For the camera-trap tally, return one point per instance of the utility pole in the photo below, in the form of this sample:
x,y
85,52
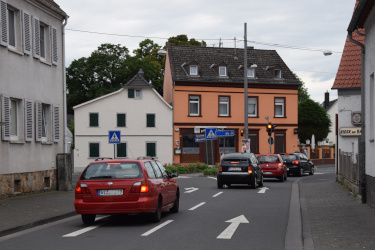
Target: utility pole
x,y
246,123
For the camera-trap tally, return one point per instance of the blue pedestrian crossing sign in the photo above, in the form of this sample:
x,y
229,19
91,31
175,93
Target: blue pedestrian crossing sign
x,y
211,134
114,136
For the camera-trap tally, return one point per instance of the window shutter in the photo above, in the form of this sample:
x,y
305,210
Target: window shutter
x,y
38,121
28,120
54,45
121,150
5,117
26,33
94,120
36,37
94,149
151,149
130,93
4,23
121,120
56,122
150,120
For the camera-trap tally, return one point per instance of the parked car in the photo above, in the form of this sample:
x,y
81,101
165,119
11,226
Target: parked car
x,y
273,166
298,163
239,168
126,186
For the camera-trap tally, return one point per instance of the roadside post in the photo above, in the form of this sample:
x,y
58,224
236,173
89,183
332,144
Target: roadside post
x,y
114,137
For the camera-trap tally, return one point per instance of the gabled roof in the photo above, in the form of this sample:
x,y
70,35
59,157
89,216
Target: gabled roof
x,y
138,81
53,5
349,72
330,104
233,58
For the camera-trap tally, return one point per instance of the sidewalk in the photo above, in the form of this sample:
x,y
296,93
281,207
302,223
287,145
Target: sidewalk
x,y
332,218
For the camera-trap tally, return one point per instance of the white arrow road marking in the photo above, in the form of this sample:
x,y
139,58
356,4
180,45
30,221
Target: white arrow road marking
x,y
182,177
216,195
263,190
229,231
200,204
212,177
86,229
156,228
191,189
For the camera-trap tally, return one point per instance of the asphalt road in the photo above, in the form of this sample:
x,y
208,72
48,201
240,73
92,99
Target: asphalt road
x,y
209,218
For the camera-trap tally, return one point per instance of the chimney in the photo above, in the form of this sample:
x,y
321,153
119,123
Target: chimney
x,y
141,73
326,100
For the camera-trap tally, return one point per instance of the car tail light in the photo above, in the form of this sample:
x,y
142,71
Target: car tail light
x,y
220,169
249,169
82,188
295,162
281,165
140,187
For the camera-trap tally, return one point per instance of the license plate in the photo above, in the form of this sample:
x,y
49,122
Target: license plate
x,y
268,173
110,192
234,169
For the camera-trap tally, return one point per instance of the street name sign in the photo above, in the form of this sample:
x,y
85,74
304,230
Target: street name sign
x,y
225,133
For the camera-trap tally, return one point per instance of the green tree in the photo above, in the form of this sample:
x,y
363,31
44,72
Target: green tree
x,y
183,40
312,119
302,91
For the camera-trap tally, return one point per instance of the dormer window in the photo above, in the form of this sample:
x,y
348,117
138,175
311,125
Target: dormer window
x,y
222,71
278,73
250,72
193,70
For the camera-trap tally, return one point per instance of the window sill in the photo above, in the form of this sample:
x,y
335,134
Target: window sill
x,y
252,116
46,143
16,142
194,116
224,116
14,50
45,62
279,117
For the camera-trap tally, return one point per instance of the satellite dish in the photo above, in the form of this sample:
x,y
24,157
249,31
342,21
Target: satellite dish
x,y
327,52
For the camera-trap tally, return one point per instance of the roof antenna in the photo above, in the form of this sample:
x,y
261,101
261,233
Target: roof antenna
x,y
220,43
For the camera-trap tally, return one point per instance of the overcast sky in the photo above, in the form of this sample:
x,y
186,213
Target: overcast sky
x,y
316,24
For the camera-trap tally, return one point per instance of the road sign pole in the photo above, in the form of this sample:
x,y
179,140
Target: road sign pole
x,y
206,152
212,154
114,151
269,140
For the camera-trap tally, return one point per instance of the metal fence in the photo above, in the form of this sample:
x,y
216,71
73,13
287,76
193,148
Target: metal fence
x,y
347,168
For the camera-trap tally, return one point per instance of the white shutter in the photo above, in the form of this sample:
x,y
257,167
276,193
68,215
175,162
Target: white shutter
x,y
29,120
36,37
54,51
5,117
26,26
3,23
38,121
56,122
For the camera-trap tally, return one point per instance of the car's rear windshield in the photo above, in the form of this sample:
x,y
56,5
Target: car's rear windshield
x,y
290,157
112,170
268,158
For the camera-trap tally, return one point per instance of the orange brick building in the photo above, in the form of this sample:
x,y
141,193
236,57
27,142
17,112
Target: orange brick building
x,y
205,85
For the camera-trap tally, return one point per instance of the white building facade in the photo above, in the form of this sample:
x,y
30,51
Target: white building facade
x,y
142,116
32,94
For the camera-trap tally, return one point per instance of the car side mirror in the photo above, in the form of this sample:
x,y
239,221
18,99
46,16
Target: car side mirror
x,y
173,175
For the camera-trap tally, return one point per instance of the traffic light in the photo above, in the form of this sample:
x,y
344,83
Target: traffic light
x,y
269,129
241,132
273,127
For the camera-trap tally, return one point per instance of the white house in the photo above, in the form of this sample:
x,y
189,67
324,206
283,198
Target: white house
x,y
32,90
332,108
142,116
364,17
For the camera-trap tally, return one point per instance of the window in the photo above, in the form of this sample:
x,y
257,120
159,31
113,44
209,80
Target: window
x,y
121,120
47,122
254,141
94,150
150,120
94,119
10,21
46,117
13,118
222,71
193,70
151,149
277,73
194,105
250,72
157,170
162,169
130,93
279,107
11,28
223,106
252,105
42,41
121,150
137,94
150,170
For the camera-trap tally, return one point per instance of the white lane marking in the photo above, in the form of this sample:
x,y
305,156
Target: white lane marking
x,y
216,195
263,190
86,229
191,189
182,177
318,173
229,231
200,204
156,228
212,177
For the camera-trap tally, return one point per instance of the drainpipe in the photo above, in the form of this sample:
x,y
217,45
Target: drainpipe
x,y
64,83
362,142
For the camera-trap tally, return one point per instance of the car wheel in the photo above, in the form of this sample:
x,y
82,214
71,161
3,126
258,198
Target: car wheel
x,y
176,205
260,183
219,184
228,185
300,173
156,216
312,171
285,177
88,219
253,183
281,178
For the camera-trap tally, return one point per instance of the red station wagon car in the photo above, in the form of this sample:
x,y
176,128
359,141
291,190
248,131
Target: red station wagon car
x,y
126,186
273,166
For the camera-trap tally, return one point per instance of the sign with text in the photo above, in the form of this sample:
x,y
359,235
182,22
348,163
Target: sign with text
x,y
225,133
350,131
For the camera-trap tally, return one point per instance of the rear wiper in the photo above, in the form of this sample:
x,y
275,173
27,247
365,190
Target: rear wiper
x,y
101,177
